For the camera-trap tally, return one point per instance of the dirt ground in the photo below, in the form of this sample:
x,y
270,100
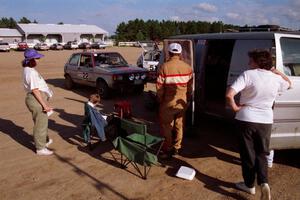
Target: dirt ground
x,y
74,172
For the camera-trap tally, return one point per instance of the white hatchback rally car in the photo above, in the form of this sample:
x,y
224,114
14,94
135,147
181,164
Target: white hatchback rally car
x,y
107,71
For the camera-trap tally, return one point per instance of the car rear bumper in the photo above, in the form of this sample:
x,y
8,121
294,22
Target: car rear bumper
x,y
4,48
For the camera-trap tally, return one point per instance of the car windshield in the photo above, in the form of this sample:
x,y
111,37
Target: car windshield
x,y
3,43
291,55
109,60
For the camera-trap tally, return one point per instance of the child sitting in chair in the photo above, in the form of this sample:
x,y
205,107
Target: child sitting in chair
x,y
93,119
94,100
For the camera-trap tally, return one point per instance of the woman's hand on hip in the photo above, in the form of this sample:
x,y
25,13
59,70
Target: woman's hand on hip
x,y
47,108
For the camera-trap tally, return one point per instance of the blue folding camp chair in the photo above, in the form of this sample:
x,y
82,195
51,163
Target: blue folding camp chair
x,y
93,122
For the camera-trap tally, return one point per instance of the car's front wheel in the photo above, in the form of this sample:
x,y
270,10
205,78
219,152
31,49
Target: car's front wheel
x,y
69,84
103,89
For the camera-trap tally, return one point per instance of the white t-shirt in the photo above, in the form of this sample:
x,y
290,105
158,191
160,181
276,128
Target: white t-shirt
x,y
32,80
258,88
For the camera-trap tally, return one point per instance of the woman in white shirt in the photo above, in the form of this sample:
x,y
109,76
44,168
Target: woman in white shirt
x,y
258,87
36,100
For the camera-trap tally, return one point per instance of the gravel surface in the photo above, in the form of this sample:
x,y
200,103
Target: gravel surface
x,y
74,172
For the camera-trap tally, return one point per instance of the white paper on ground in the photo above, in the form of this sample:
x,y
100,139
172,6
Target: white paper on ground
x,y
186,173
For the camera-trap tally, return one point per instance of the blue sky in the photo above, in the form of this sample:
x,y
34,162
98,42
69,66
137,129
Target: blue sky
x,y
107,14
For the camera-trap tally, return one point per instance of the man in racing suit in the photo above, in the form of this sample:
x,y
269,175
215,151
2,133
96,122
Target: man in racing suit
x,y
174,90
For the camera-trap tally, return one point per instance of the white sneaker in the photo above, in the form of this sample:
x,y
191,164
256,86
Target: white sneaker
x,y
243,187
265,192
44,152
49,142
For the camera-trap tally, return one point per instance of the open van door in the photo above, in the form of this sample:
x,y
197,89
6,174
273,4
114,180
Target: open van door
x,y
286,127
187,56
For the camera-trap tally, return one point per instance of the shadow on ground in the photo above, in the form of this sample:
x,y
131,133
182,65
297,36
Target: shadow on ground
x,y
17,133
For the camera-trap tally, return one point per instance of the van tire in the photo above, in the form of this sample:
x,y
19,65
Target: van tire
x,y
102,89
69,84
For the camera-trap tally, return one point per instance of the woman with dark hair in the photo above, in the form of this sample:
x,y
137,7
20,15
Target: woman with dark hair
x,y
258,88
36,100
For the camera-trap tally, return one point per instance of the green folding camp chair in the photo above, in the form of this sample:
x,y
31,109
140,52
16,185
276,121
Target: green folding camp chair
x,y
138,147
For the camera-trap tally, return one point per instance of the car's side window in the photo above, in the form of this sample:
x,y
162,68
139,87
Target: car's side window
x,y
101,59
86,61
74,60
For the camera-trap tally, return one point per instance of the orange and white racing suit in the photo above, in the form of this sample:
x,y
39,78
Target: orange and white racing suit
x,y
174,89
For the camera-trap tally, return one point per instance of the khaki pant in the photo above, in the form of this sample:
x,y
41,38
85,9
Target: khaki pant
x,y
171,125
40,119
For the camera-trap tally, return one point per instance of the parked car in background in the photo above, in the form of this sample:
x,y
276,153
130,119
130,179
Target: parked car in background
x,y
13,45
4,46
107,71
71,45
41,47
149,59
31,44
98,45
56,46
84,45
146,44
22,46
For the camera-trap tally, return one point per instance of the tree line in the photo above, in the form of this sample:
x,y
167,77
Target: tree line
x,y
139,29
10,22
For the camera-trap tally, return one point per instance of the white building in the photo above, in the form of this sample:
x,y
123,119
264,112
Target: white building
x,y
10,35
52,33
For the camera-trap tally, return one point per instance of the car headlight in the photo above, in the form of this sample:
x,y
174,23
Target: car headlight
x,y
137,76
143,76
131,77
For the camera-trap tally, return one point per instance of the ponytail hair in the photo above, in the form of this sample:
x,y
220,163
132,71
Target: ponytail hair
x,y
29,62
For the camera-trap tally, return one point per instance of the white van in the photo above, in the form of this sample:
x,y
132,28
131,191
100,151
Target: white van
x,y
218,59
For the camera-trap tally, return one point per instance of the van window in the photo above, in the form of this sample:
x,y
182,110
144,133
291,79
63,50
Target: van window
x,y
240,59
290,48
